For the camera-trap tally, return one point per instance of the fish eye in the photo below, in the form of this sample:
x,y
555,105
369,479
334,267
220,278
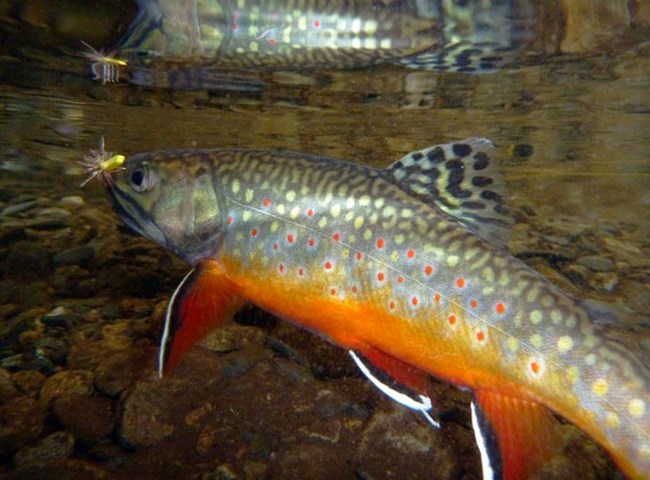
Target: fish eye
x,y
141,179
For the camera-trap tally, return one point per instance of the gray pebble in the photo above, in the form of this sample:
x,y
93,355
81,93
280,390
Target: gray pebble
x,y
17,208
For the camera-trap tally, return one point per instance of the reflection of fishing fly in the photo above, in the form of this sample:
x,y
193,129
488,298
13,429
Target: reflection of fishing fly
x,y
101,162
104,67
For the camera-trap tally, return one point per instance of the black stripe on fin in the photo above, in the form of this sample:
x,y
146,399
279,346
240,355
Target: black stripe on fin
x,y
461,179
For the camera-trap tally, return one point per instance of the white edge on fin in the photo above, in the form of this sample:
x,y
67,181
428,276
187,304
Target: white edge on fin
x,y
486,464
423,406
168,317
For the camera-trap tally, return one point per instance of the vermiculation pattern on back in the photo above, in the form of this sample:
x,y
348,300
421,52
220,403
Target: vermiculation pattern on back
x,y
313,224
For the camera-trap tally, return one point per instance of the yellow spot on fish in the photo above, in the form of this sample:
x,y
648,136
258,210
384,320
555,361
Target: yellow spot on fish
x,y
249,195
385,43
295,213
275,226
536,316
235,186
389,211
556,316
349,203
546,301
636,407
470,253
573,374
612,420
452,260
565,343
590,359
394,256
358,222
488,274
280,208
399,239
370,27
364,200
513,344
407,213
600,387
335,210
290,196
246,216
322,222
367,234
379,203
536,340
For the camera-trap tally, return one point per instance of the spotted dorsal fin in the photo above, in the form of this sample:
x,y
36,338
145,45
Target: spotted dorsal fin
x,y
461,179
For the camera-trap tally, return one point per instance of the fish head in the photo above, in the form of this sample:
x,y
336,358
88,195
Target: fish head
x,y
171,199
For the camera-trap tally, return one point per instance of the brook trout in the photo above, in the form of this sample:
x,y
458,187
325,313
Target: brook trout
x,y
189,43
407,268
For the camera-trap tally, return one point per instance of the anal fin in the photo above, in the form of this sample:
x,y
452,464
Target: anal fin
x,y
205,299
402,382
515,436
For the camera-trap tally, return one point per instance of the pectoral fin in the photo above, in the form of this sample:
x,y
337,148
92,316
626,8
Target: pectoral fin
x,y
204,300
515,436
401,382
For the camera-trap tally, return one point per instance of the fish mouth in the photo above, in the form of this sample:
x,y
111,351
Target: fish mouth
x,y
135,217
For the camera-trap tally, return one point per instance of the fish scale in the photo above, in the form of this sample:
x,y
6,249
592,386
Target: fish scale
x,y
376,262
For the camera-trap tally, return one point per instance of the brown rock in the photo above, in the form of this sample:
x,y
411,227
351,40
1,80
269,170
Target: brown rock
x,y
29,382
90,419
66,382
21,421
117,372
68,469
8,390
57,445
143,422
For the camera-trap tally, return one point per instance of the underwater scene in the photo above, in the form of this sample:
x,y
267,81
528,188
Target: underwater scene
x,y
310,239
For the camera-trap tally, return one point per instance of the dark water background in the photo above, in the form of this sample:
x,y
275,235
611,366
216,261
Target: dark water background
x,y
573,136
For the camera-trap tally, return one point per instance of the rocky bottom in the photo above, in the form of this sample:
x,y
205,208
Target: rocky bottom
x,y
81,309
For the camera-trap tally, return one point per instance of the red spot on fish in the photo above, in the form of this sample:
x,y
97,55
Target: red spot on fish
x,y
410,253
380,243
311,242
229,220
235,27
254,232
267,202
534,367
333,291
316,23
359,255
290,238
301,271
414,301
480,335
500,308
460,282
355,289
328,265
336,236
380,277
281,268
437,298
400,279
473,303
452,319
273,41
275,246
310,212
391,305
428,270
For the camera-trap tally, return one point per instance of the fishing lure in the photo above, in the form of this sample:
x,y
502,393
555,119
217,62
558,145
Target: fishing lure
x,y
100,162
105,67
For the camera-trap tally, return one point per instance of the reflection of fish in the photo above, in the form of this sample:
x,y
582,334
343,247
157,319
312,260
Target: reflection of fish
x,y
194,40
406,267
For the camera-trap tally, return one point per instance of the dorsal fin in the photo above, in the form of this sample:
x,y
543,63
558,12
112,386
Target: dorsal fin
x,y
461,179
